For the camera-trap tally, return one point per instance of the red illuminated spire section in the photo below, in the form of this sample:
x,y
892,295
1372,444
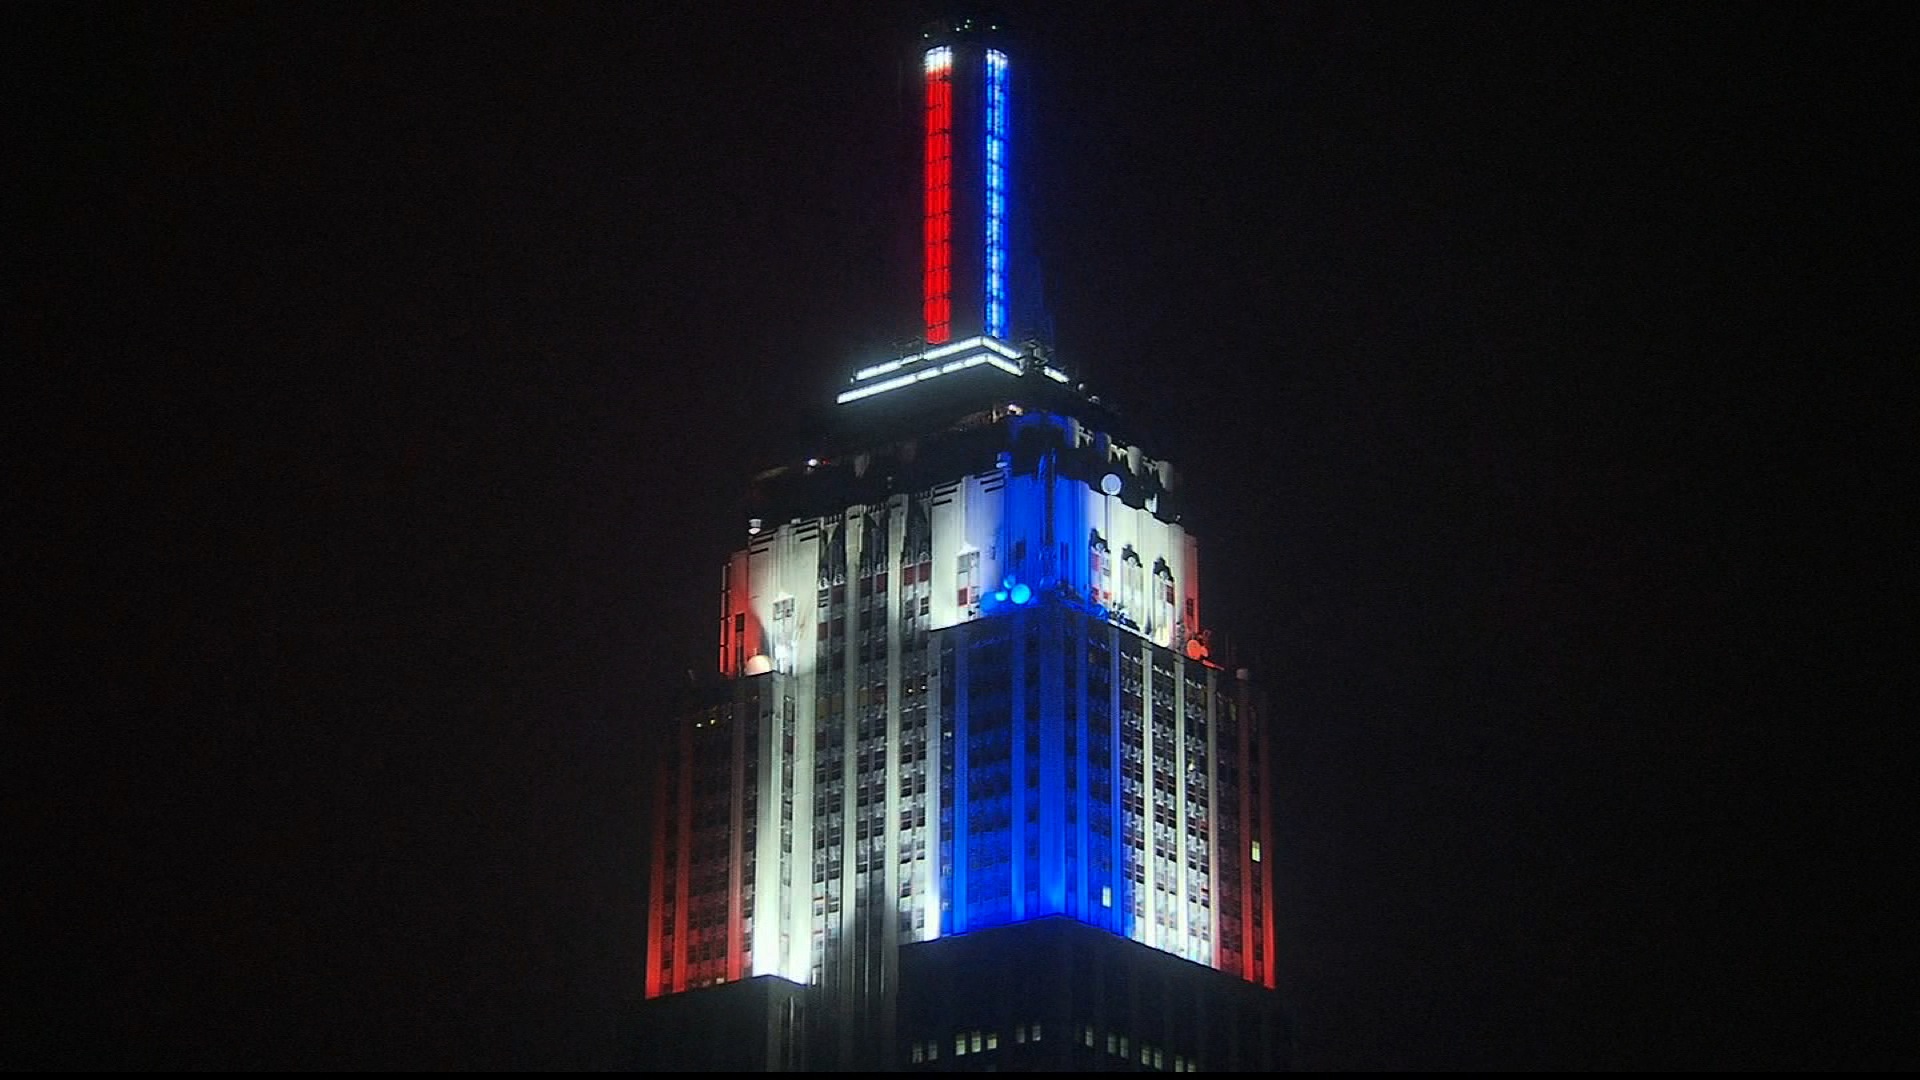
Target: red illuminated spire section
x,y
938,225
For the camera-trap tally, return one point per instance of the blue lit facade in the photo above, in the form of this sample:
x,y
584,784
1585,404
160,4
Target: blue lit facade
x,y
1088,779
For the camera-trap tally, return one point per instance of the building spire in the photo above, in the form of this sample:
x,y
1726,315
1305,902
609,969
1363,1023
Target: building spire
x,y
974,264
966,229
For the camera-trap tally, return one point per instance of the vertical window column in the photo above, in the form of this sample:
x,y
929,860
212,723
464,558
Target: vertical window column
x,y
996,239
937,286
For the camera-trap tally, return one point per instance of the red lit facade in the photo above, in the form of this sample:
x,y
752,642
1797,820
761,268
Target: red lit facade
x,y
937,285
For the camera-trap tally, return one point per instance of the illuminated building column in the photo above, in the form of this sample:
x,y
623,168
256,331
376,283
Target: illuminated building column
x,y
937,283
966,225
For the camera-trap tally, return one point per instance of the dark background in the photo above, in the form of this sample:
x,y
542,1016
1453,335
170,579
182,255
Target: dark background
x,y
384,378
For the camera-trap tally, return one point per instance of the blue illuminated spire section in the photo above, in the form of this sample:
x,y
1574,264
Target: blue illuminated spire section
x,y
996,321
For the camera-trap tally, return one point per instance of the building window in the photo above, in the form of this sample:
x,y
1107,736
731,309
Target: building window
x,y
960,1044
993,1040
976,1042
1036,1031
1131,588
967,584
1100,571
919,1053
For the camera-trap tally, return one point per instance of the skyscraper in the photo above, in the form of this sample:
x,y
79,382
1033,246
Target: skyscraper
x,y
970,717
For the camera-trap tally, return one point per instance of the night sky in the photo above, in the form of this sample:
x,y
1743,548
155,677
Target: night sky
x,y
385,379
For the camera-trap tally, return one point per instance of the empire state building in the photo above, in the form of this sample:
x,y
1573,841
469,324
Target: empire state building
x,y
973,793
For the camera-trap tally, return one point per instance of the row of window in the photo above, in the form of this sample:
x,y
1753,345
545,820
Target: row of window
x,y
1151,1056
973,1042
976,1041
